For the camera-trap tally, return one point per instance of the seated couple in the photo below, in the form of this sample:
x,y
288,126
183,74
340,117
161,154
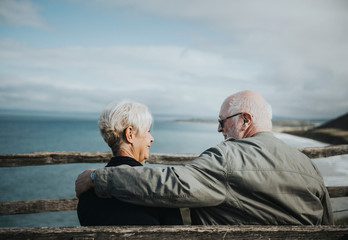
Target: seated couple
x,y
250,178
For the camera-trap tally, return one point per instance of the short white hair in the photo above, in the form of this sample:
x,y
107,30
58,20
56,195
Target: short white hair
x,y
260,110
117,116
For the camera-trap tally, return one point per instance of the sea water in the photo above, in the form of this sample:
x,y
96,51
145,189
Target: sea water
x,y
24,134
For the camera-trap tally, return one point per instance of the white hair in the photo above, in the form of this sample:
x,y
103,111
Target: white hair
x,y
260,110
117,116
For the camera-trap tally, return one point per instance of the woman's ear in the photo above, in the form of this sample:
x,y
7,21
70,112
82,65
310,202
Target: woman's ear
x,y
129,134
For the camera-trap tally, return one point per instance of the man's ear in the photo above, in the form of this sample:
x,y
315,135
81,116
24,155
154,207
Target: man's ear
x,y
129,134
247,119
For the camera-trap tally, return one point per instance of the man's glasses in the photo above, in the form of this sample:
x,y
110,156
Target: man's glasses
x,y
221,121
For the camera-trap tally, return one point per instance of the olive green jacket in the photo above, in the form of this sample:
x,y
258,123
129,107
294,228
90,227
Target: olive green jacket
x,y
256,180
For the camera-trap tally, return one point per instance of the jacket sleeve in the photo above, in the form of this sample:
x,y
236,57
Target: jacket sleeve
x,y
200,183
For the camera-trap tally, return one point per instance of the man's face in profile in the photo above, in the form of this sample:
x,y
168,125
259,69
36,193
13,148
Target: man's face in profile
x,y
229,128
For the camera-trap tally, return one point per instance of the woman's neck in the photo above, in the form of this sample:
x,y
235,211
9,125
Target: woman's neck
x,y
126,152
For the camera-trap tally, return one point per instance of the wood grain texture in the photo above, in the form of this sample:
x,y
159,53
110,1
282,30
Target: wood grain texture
x,y
178,232
45,158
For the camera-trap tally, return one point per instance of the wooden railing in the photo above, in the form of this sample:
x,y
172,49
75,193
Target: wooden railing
x,y
70,204
178,232
153,232
54,205
45,158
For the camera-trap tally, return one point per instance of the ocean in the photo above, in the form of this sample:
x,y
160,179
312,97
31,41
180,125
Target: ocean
x,y
27,133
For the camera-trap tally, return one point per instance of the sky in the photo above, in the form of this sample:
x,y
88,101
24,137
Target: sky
x,y
181,57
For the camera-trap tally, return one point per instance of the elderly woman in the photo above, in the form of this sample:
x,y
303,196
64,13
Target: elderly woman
x,y
125,127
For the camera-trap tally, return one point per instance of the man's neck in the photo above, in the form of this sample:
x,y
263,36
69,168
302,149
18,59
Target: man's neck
x,y
252,131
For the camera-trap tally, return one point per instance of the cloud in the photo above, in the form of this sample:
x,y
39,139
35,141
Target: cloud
x,y
292,52
169,78
20,13
296,32
296,49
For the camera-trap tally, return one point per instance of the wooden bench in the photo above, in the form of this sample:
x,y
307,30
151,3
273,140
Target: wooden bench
x,y
152,232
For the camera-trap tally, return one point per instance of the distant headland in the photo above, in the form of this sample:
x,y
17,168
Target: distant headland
x,y
333,132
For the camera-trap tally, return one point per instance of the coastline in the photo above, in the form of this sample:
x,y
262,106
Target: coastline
x,y
301,128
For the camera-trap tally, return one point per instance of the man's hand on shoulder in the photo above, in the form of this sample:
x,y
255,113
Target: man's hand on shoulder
x,y
83,182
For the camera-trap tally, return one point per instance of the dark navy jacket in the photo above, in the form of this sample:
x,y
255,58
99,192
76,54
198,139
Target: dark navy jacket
x,y
95,211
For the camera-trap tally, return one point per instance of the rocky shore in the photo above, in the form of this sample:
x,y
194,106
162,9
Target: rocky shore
x,y
333,132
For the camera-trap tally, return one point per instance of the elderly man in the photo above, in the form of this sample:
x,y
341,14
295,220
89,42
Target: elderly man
x,y
250,178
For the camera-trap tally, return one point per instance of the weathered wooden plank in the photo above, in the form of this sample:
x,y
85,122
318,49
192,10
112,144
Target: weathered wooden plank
x,y
37,206
323,152
170,158
339,191
46,158
70,204
178,232
43,158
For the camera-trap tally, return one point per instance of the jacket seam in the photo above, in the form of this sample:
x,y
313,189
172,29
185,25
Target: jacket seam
x,y
276,170
227,185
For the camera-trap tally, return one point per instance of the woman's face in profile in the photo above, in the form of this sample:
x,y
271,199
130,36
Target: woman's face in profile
x,y
142,144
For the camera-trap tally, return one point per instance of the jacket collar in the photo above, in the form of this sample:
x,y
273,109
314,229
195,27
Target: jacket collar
x,y
268,133
122,160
